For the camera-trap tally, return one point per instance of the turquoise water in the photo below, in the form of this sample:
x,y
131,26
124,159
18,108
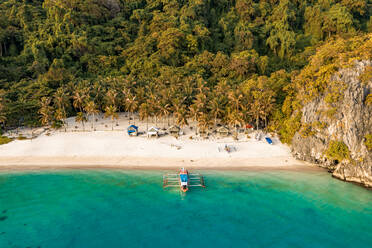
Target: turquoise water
x,y
101,208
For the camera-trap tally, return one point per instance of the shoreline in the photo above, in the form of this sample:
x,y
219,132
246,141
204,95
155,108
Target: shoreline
x,y
105,149
131,163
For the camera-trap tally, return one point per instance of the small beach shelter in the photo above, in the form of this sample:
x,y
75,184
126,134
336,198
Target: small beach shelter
x,y
223,131
132,130
203,133
174,130
153,131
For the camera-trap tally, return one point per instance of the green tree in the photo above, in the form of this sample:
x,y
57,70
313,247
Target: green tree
x,y
111,111
80,117
91,109
45,111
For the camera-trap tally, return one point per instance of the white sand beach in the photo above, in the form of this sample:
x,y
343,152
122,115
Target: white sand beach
x,y
104,147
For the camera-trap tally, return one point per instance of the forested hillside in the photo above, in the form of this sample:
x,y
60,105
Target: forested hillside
x,y
234,61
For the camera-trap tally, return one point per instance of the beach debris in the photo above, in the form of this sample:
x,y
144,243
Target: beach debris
x,y
258,136
178,147
227,148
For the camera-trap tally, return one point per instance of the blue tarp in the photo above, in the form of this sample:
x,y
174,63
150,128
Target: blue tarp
x,y
269,140
184,177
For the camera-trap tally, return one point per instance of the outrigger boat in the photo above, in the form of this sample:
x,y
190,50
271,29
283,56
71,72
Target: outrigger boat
x,y
183,179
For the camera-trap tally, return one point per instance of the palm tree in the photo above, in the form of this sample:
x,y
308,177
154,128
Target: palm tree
x,y
181,116
80,117
110,111
204,121
111,97
216,109
144,112
78,99
91,109
268,104
45,111
2,119
131,104
257,106
2,108
59,116
61,99
194,112
164,110
236,98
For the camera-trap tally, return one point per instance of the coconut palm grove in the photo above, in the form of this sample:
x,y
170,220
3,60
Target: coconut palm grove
x,y
233,62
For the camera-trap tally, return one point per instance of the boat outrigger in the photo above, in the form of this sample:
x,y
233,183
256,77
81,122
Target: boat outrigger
x,y
183,179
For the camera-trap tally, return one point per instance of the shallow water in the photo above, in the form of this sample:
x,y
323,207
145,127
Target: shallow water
x,y
102,208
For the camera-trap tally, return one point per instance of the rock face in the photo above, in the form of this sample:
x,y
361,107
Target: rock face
x,y
347,120
112,5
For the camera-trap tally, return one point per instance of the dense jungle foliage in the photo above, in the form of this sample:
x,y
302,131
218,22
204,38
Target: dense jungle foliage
x,y
234,62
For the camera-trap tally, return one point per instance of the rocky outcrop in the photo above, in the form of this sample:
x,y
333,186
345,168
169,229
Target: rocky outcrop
x,y
112,5
339,114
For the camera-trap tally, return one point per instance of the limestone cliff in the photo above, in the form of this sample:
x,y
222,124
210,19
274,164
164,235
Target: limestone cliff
x,y
341,113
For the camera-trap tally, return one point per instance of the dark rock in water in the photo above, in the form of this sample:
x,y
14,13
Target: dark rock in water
x,y
2,218
2,233
4,211
350,123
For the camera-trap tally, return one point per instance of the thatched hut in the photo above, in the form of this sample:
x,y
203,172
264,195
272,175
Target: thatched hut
x,y
203,133
153,132
174,130
223,131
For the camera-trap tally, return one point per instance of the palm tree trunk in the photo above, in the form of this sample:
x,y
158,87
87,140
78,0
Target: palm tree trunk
x,y
92,121
257,122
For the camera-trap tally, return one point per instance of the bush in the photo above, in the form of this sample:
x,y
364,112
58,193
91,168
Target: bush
x,y
368,100
5,140
289,128
368,141
338,150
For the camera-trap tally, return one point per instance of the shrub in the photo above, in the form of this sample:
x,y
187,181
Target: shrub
x,y
5,140
368,100
289,128
337,150
368,141
330,113
306,130
320,125
366,75
57,124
